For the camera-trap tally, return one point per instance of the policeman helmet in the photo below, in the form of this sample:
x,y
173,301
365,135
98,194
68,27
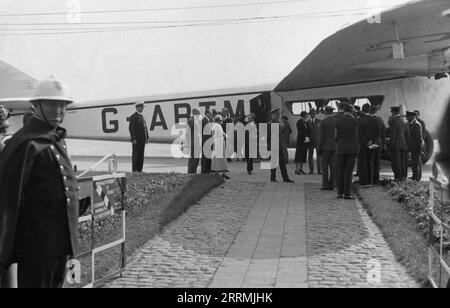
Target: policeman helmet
x,y
4,113
52,89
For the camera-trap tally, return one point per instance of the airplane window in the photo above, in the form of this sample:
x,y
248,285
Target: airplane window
x,y
361,102
299,107
333,103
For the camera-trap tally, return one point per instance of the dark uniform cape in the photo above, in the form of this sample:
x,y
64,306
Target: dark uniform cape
x,y
27,220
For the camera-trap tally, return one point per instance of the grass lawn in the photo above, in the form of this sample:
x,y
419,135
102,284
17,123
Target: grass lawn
x,y
153,201
400,230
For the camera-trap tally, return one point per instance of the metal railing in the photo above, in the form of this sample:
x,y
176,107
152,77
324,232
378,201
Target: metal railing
x,y
101,189
439,232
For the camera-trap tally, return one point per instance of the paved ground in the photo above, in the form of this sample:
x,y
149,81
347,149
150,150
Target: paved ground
x,y
252,233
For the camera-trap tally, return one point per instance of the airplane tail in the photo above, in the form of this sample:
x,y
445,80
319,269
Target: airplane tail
x,y
15,88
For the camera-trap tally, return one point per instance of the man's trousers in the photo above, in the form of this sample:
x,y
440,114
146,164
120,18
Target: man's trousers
x,y
138,157
399,162
416,166
311,149
328,162
193,165
366,167
346,165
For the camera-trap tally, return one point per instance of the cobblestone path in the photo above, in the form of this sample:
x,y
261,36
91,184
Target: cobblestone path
x,y
190,249
345,248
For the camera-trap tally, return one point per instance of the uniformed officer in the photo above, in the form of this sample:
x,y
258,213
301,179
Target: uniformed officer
x,y
347,149
282,152
39,205
415,145
380,143
139,137
327,149
398,135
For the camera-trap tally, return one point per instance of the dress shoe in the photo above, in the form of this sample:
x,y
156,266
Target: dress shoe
x,y
274,181
349,197
288,181
340,196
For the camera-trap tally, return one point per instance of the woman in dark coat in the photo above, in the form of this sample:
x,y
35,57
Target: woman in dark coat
x,y
302,143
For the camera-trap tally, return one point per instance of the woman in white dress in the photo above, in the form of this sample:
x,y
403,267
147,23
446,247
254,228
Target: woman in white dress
x,y
219,160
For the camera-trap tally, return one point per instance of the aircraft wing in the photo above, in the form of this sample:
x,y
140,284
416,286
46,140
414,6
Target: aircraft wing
x,y
371,50
15,87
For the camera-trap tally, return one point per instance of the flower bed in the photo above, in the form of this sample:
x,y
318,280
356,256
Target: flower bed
x,y
142,189
415,197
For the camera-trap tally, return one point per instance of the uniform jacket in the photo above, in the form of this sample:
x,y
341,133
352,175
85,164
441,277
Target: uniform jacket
x,y
39,206
285,132
381,131
415,137
138,128
368,131
347,135
399,134
327,138
313,125
194,138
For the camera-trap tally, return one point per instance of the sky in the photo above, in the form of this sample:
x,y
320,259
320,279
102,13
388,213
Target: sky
x,y
153,61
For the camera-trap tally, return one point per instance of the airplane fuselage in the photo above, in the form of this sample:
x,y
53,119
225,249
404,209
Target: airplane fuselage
x,y
108,120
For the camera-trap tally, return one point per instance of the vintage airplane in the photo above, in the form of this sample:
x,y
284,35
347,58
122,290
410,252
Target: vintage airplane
x,y
399,57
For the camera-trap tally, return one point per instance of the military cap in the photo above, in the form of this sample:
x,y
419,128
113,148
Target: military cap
x,y
395,109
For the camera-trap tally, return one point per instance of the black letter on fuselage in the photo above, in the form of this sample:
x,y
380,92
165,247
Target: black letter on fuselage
x,y
114,124
240,109
162,122
178,115
207,104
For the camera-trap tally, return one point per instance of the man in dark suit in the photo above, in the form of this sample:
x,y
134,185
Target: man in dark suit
x,y
313,125
282,159
368,134
326,148
347,149
251,139
227,120
139,137
422,123
398,145
415,144
380,142
206,162
194,141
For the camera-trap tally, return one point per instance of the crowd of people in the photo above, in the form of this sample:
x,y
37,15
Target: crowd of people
x,y
333,142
